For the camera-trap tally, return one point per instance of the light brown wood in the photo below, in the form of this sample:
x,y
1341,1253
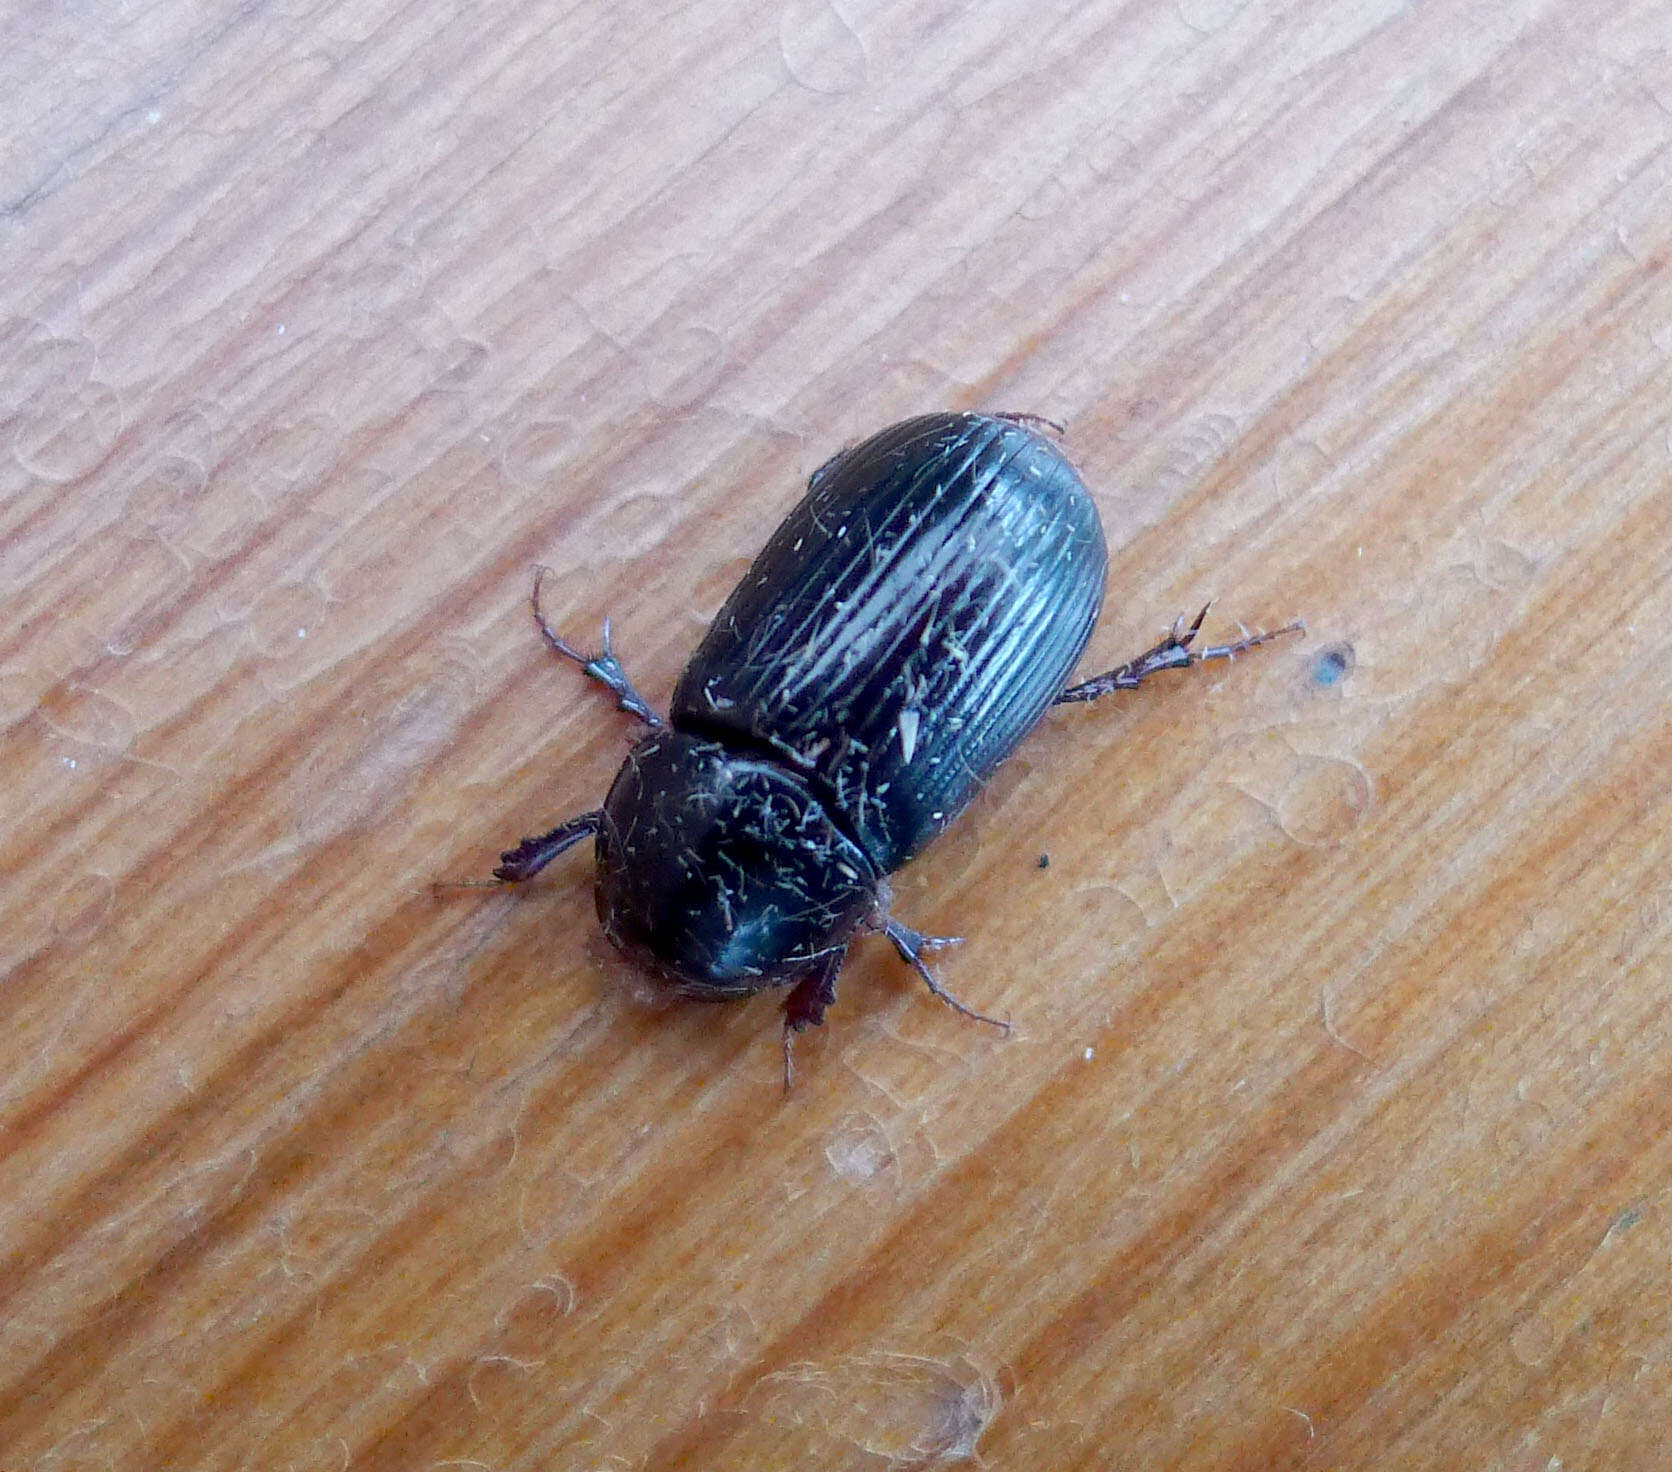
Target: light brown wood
x,y
1333,1131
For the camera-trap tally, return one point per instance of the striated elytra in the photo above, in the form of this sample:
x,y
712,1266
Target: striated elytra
x,y
909,623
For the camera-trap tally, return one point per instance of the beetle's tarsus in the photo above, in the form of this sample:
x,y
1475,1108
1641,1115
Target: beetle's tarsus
x,y
911,945
603,667
1176,652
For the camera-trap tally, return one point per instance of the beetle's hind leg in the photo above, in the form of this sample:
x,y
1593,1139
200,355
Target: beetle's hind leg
x,y
911,945
1176,652
604,667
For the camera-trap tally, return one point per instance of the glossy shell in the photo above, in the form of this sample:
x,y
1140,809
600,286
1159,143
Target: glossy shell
x,y
908,624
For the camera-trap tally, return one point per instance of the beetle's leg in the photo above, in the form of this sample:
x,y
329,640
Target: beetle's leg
x,y
807,1002
1175,652
532,855
911,945
1033,421
603,667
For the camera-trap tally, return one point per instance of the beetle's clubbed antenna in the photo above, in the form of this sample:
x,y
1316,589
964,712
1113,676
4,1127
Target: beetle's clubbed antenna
x,y
604,667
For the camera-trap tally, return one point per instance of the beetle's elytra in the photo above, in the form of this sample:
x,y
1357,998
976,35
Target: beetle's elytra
x,y
909,623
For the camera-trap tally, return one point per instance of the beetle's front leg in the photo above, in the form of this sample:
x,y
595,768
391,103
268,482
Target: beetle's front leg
x,y
1175,652
532,855
808,1001
604,667
911,945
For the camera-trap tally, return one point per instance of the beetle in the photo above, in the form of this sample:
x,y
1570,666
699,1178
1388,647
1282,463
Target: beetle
x,y
908,624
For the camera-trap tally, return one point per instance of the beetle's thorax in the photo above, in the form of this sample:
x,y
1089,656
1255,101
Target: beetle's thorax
x,y
723,869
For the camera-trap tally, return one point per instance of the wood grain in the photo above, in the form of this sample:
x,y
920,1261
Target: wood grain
x,y
1333,1132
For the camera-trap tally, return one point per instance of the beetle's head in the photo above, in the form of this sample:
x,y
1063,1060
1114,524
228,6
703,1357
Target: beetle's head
x,y
723,871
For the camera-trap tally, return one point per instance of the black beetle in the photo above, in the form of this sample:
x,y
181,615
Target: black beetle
x,y
909,623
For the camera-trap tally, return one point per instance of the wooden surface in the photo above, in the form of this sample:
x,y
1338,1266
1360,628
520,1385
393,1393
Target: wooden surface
x,y
1334,1129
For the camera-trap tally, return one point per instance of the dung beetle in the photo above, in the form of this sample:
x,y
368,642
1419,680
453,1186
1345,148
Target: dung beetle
x,y
909,623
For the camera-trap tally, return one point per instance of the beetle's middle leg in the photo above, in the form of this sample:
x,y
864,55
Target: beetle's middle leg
x,y
1176,652
911,945
604,667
